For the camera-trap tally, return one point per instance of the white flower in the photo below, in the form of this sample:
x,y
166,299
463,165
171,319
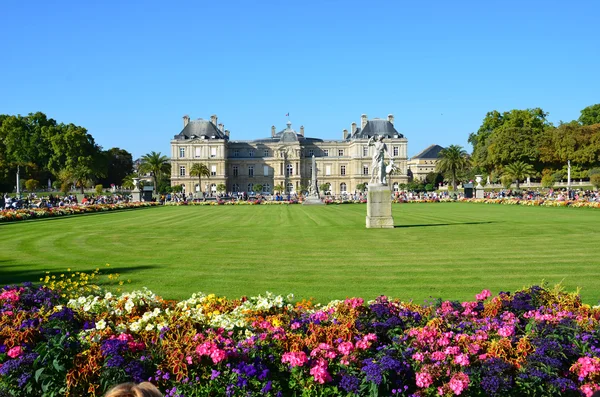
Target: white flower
x,y
108,296
101,324
129,305
149,327
135,327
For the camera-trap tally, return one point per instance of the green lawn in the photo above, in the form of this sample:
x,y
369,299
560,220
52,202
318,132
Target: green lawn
x,y
448,250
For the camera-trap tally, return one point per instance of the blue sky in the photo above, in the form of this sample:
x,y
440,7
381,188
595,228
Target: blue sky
x,y
129,70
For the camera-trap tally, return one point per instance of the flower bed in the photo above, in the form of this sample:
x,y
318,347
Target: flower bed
x,y
38,213
537,203
534,342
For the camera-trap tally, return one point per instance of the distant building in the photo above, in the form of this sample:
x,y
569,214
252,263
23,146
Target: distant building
x,y
424,162
283,158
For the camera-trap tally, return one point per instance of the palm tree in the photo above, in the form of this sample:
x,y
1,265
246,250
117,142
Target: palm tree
x,y
519,170
452,160
156,164
199,170
279,188
128,181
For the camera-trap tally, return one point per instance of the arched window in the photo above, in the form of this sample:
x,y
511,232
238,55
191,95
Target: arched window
x,y
213,188
289,187
235,188
250,187
266,188
289,170
343,188
396,189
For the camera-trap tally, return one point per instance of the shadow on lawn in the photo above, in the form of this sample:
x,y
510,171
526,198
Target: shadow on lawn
x,y
16,276
445,224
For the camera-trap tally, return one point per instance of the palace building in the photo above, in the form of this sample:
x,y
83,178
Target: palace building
x,y
282,159
424,163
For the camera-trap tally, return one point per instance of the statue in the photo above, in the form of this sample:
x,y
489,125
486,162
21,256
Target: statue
x,y
313,189
379,170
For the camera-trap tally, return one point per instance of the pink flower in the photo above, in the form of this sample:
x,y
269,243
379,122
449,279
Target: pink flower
x,y
188,359
295,359
418,356
506,331
319,371
205,348
588,389
345,348
10,296
15,352
483,295
424,379
459,383
296,325
218,355
354,302
585,366
462,359
438,356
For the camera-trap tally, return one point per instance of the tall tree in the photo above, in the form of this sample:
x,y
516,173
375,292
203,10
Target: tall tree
x,y
118,163
519,170
451,161
590,115
157,165
200,170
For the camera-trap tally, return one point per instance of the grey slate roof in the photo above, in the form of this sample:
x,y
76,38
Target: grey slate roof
x,y
287,135
377,127
431,152
198,129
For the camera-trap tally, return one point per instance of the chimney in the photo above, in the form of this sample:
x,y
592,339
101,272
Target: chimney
x,y
221,127
353,128
345,134
213,119
363,121
391,118
186,120
302,130
273,131
227,133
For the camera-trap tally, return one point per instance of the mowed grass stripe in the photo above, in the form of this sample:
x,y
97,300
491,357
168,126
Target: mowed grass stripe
x,y
441,250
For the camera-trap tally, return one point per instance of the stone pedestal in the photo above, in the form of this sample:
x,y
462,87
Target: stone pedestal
x,y
379,207
479,193
136,195
312,200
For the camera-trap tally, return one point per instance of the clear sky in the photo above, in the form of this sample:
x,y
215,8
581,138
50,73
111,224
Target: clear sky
x,y
129,70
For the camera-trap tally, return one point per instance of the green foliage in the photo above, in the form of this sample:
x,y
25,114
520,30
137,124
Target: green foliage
x,y
257,188
434,178
279,188
361,187
118,163
593,171
416,186
98,189
506,181
127,181
595,180
157,165
548,181
324,187
452,161
590,115
518,170
31,184
200,170
177,189
429,187
221,188
571,141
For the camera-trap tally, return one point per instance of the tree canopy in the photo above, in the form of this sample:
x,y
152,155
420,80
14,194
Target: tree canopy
x,y
590,115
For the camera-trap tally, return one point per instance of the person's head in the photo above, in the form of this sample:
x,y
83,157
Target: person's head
x,y
144,389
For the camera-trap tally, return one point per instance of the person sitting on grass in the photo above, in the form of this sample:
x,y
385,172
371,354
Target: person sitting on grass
x,y
144,389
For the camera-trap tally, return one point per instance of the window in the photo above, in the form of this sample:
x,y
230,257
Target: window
x,y
213,188
266,153
235,170
213,152
250,171
250,153
236,153
213,170
327,170
289,170
197,152
365,170
289,187
395,150
266,170
311,153
325,152
365,151
343,170
266,188
181,152
342,188
235,187
182,170
340,152
396,189
250,187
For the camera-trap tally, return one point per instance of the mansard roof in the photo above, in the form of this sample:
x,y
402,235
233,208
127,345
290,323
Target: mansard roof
x,y
200,128
431,152
377,127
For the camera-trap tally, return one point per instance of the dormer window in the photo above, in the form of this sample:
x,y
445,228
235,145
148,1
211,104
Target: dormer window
x,y
250,153
325,152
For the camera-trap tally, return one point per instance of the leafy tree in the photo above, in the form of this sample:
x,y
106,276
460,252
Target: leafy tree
x,y
302,189
221,187
127,181
99,189
571,141
31,184
82,175
177,189
595,180
279,188
506,181
118,163
548,181
361,187
519,170
434,178
324,187
451,161
157,165
200,170
257,188
590,115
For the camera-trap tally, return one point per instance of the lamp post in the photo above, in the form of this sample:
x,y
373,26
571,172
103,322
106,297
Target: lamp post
x,y
18,183
569,178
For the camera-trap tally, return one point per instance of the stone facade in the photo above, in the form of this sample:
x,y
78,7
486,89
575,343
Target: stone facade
x,y
283,158
424,162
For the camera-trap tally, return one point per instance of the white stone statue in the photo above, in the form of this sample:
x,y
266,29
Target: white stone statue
x,y
379,171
